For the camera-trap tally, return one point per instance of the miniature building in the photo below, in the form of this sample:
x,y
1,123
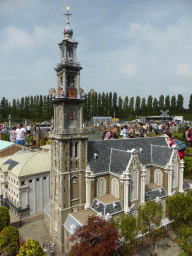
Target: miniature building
x,y
24,182
105,178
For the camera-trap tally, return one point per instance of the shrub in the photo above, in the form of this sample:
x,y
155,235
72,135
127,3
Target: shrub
x,y
4,217
45,139
178,136
48,141
9,239
31,138
188,167
181,130
41,142
5,137
93,132
31,247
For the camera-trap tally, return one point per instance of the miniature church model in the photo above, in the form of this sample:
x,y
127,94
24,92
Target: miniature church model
x,y
107,178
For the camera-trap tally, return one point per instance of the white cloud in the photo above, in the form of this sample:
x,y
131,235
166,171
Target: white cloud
x,y
183,69
129,69
18,37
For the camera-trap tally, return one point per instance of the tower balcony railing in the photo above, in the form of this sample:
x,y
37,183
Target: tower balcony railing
x,y
70,63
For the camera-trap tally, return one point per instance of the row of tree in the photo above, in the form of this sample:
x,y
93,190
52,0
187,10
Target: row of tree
x,y
108,104
105,104
30,108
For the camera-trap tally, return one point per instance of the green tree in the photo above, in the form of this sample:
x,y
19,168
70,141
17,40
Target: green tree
x,y
126,108
167,102
138,106
4,217
99,105
185,241
120,108
31,108
161,102
94,103
149,219
22,105
149,105
14,109
103,104
173,105
131,106
30,248
190,103
143,107
179,208
115,104
127,226
106,104
180,100
110,104
155,107
9,239
26,108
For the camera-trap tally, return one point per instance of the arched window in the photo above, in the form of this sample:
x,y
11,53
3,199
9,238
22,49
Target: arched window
x,y
115,188
101,187
147,178
158,177
74,188
134,185
175,172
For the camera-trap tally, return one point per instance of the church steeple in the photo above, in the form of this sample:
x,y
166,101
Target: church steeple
x,y
68,105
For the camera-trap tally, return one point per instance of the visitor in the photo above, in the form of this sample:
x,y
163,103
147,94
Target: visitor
x,y
136,131
20,135
155,128
186,136
142,130
112,134
190,137
131,132
171,143
124,132
28,129
160,128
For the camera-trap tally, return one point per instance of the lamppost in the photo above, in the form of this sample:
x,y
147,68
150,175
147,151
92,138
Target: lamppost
x,y
9,118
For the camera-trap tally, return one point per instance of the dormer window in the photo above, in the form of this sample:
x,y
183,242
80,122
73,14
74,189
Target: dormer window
x,y
22,183
97,204
114,206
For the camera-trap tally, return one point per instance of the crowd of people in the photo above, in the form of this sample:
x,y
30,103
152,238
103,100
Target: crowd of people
x,y
141,130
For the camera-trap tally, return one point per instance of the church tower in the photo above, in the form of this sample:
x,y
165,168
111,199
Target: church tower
x,y
68,141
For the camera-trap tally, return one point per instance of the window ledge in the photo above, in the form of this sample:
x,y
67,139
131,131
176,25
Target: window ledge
x,y
74,199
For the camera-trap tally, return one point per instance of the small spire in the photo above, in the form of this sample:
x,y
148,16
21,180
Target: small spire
x,y
67,14
67,31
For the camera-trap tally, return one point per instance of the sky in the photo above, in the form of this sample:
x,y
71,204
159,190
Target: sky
x,y
138,47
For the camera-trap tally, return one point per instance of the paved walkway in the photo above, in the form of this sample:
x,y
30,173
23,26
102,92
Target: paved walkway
x,y
33,227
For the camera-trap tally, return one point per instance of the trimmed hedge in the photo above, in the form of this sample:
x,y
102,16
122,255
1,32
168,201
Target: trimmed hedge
x,y
188,167
4,217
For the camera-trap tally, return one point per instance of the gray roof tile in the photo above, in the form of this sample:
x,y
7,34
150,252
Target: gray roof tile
x,y
161,155
119,161
186,185
111,208
153,194
103,150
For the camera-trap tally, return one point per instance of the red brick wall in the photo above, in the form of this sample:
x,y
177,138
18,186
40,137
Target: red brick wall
x,y
10,151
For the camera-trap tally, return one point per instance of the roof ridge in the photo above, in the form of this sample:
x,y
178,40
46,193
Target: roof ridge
x,y
34,153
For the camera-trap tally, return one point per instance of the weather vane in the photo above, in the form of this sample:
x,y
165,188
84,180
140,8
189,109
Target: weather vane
x,y
67,14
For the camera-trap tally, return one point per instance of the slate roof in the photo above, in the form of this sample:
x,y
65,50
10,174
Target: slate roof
x,y
153,194
186,185
119,161
47,209
103,150
111,208
71,222
161,155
